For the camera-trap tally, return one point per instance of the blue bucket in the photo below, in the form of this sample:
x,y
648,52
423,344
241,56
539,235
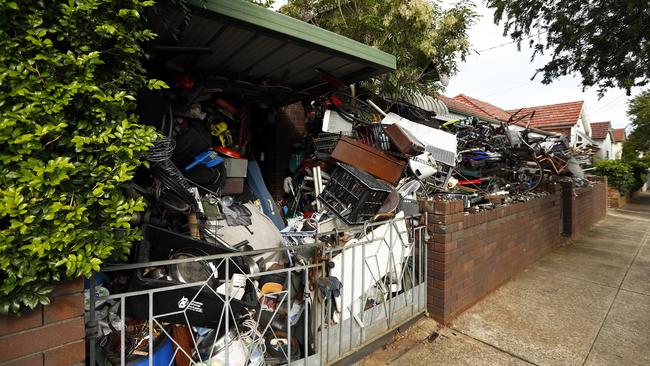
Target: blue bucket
x,y
162,355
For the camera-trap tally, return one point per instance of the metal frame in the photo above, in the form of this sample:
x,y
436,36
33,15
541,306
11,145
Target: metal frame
x,y
393,258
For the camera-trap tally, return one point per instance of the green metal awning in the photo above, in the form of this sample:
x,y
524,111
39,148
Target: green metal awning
x,y
255,50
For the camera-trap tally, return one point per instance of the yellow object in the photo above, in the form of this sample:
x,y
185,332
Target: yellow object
x,y
221,131
271,287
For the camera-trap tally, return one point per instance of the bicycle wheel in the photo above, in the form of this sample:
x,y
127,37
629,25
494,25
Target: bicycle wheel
x,y
528,175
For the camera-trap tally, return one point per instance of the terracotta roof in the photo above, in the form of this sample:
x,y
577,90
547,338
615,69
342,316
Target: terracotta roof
x,y
599,130
460,107
553,115
619,134
484,107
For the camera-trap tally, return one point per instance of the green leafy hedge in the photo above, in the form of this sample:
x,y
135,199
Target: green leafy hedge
x,y
69,71
625,176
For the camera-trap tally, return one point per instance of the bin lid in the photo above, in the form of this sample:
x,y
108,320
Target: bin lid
x,y
251,50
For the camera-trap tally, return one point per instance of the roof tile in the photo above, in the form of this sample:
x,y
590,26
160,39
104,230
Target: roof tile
x,y
484,107
599,130
553,115
619,134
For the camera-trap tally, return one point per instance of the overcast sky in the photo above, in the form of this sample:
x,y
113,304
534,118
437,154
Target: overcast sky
x,y
501,76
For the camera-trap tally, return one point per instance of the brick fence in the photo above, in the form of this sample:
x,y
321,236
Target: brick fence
x,y
49,335
471,254
615,199
583,206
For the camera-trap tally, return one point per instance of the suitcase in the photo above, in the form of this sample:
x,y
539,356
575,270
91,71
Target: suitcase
x,y
376,162
403,140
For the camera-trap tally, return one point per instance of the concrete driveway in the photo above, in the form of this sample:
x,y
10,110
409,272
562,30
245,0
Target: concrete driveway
x,y
585,303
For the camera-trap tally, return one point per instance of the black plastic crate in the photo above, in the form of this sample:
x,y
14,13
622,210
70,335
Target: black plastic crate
x,y
325,143
354,195
374,135
205,307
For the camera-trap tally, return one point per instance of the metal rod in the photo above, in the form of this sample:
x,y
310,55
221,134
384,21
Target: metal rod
x,y
305,322
354,263
363,285
373,105
92,323
151,329
342,309
122,331
226,306
288,315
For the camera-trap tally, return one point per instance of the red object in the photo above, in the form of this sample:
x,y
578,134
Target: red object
x,y
227,106
307,214
331,79
184,82
469,181
227,152
333,100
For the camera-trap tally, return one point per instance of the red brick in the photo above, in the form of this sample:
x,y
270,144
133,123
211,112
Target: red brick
x,y
488,248
40,339
64,288
32,360
64,307
426,206
442,238
69,354
442,207
440,285
12,324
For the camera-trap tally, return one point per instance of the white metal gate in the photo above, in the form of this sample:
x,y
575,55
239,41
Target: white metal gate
x,y
335,296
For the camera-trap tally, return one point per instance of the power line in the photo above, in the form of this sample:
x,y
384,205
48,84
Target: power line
x,y
508,89
515,41
610,103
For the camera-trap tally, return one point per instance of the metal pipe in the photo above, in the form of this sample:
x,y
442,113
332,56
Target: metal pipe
x,y
91,326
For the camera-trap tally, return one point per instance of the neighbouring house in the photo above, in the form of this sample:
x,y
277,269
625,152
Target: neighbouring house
x,y
601,133
485,108
569,119
619,138
462,106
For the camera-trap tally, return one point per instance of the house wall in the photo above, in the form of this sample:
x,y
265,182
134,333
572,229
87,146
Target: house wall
x,y
617,150
49,335
606,149
582,125
289,128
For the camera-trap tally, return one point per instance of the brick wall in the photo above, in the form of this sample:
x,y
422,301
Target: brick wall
x,y
472,254
583,206
615,199
290,126
49,335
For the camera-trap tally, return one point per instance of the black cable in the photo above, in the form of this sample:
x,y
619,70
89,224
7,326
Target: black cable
x,y
174,186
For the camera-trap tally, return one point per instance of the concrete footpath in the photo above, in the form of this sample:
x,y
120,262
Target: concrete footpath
x,y
585,303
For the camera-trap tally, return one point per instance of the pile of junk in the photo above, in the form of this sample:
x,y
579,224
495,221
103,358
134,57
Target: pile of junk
x,y
228,271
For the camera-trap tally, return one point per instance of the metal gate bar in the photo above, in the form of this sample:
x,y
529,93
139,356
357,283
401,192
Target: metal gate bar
x,y
381,267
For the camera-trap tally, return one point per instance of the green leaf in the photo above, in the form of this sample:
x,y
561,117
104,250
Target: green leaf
x,y
70,140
